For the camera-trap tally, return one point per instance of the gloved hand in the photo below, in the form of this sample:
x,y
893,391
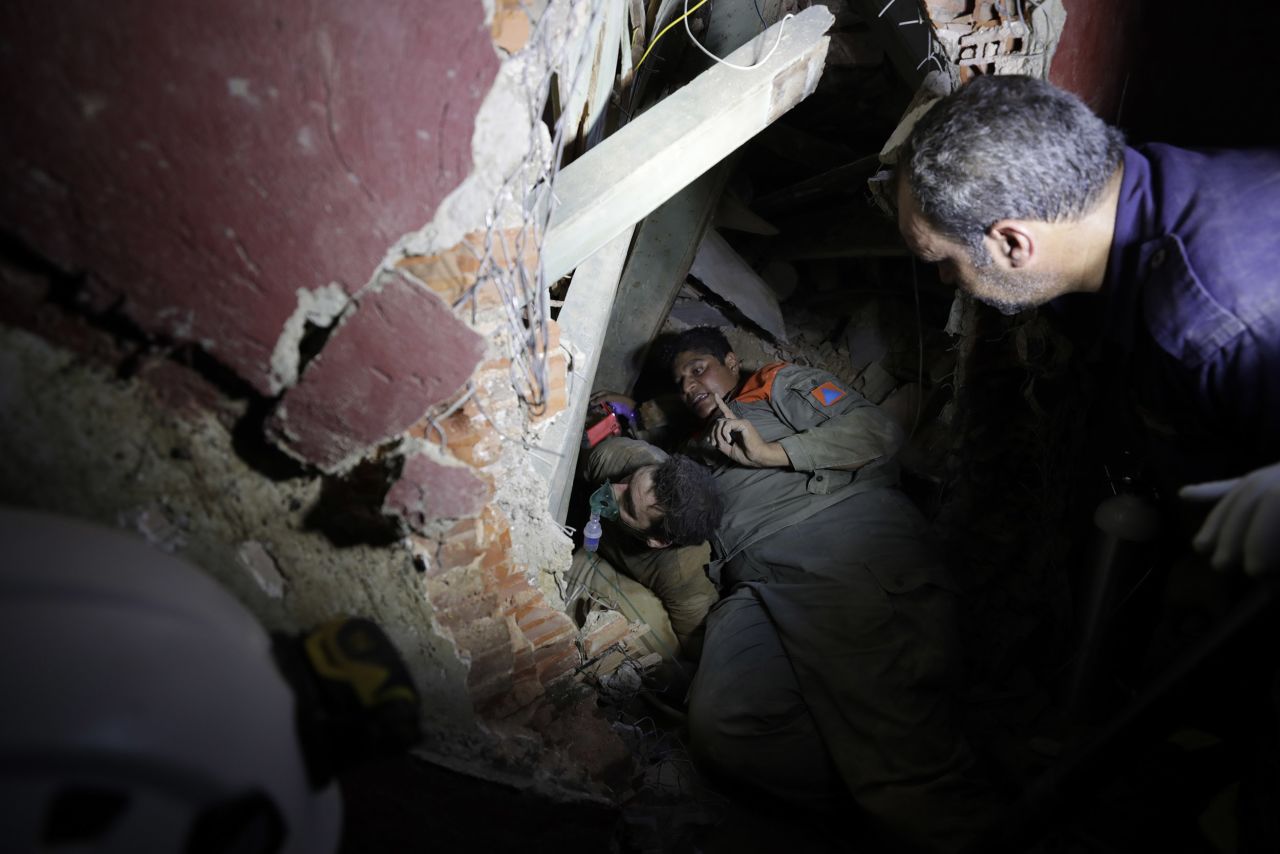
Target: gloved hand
x,y
1244,527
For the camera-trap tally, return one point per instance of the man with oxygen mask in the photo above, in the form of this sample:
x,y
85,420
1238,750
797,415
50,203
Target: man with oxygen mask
x,y
651,518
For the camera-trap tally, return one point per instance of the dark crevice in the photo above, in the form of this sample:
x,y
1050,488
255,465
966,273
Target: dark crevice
x,y
67,292
349,510
314,337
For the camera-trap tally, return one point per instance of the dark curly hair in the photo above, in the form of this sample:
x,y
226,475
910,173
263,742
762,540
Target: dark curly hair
x,y
690,500
699,339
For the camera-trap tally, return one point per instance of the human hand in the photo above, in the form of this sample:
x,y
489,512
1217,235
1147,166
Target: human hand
x,y
739,440
1243,529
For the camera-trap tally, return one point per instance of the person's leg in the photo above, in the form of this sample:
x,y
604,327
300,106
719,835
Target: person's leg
x,y
747,719
859,607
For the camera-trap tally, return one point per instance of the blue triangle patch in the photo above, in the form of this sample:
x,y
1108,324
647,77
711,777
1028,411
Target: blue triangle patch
x,y
828,393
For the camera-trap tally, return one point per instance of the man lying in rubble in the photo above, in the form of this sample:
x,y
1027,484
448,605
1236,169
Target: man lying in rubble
x,y
1164,261
828,664
668,508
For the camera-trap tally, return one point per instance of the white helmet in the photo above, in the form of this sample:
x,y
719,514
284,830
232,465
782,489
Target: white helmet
x,y
142,709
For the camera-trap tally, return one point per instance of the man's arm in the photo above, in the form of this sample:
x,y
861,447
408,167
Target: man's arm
x,y
836,428
617,457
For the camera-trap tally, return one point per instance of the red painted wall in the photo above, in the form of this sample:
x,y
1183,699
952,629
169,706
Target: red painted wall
x,y
201,162
1188,72
1096,53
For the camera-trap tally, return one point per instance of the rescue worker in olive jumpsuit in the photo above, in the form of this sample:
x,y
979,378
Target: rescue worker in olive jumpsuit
x,y
828,665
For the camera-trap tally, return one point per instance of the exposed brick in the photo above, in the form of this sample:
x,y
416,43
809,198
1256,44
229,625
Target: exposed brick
x,y
603,630
452,272
545,625
430,489
556,398
468,435
514,590
511,25
462,546
460,598
556,660
490,665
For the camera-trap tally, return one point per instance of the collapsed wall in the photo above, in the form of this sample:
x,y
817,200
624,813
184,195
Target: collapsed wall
x,y
227,328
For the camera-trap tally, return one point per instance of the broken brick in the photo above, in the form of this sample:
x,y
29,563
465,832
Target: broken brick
x,y
429,489
453,272
603,630
402,352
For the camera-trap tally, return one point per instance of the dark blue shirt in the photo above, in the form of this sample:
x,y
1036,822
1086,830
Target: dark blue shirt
x,y
1190,326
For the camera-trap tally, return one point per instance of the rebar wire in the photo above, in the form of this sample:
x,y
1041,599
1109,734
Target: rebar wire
x,y
558,50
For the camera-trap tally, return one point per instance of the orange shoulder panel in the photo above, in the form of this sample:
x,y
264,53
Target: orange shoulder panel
x,y
759,386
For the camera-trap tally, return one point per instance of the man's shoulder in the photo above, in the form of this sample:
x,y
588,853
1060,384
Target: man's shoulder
x,y
1198,193
780,377
1211,258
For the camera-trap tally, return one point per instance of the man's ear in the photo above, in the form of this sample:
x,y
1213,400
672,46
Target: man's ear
x,y
731,361
656,542
1011,243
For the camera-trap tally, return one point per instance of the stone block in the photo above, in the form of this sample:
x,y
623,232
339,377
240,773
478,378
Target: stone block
x,y
431,488
400,354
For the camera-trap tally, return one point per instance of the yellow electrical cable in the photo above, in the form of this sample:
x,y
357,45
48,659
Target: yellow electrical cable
x,y
645,55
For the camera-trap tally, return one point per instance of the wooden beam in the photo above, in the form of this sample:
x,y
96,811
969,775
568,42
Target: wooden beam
x,y
665,245
648,161
583,321
723,271
586,103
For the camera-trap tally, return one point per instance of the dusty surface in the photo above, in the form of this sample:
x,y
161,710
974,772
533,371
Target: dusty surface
x,y
81,443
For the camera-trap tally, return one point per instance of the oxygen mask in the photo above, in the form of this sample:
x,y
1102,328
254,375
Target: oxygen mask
x,y
603,505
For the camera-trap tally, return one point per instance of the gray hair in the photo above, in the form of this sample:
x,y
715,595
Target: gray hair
x,y
1008,147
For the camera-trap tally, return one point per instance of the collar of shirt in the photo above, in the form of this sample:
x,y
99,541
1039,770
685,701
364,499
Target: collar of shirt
x,y
1135,211
1107,320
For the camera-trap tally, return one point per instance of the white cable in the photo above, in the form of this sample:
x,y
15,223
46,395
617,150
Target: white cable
x,y
782,26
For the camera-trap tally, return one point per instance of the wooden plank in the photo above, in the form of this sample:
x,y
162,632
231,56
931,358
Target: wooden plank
x,y
626,177
722,270
665,245
583,321
584,106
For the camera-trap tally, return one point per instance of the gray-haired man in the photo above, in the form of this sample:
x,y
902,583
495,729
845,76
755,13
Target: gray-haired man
x,y
1023,196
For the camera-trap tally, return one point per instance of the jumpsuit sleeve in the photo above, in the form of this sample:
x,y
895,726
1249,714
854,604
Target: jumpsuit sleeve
x,y
617,457
836,428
